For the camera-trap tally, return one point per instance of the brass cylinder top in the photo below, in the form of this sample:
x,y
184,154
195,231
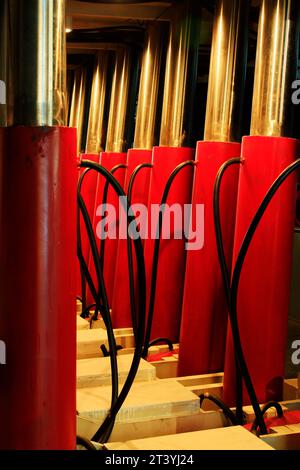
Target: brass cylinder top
x,y
116,141
144,136
77,104
275,67
96,131
181,74
227,71
39,53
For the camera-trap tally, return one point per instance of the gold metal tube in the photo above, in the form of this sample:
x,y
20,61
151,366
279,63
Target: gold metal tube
x,y
228,63
77,104
181,67
275,67
96,131
3,62
115,141
144,136
60,110
39,62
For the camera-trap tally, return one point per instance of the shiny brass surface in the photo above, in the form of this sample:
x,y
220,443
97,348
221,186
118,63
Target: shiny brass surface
x,y
227,71
144,136
115,141
77,104
275,67
180,75
3,60
38,51
96,131
60,110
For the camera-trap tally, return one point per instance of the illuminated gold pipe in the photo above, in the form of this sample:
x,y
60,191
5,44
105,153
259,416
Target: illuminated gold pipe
x,y
60,109
181,66
115,141
77,104
96,133
3,61
227,71
38,50
149,84
275,67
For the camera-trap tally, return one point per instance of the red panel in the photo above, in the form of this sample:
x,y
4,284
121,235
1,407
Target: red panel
x,y
140,193
171,267
204,314
264,292
37,289
88,192
108,160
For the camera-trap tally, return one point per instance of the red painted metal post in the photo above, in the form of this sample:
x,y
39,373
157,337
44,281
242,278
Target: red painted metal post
x,y
172,254
121,313
264,292
204,313
37,288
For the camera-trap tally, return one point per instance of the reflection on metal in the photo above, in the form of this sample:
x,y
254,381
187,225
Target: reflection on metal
x,y
70,82
38,50
149,84
77,104
115,141
181,74
275,67
227,71
59,64
3,61
96,132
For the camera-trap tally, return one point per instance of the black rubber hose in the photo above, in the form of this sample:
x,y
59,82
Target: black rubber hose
x,y
156,253
86,443
83,280
104,201
265,408
106,427
129,251
166,341
102,291
235,285
226,272
226,410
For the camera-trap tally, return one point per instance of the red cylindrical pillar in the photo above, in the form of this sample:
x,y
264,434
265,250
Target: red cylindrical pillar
x,y
88,193
109,160
172,253
204,313
264,290
37,288
121,310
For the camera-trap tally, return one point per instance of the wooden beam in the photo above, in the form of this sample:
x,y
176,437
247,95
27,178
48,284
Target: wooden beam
x,y
131,12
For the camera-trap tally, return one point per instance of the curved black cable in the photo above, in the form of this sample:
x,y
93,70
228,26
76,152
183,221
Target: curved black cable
x,y
129,250
226,410
225,271
104,307
167,341
265,408
104,201
156,253
82,277
86,443
235,285
106,427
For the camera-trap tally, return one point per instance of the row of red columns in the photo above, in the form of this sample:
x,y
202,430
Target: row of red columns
x,y
190,301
